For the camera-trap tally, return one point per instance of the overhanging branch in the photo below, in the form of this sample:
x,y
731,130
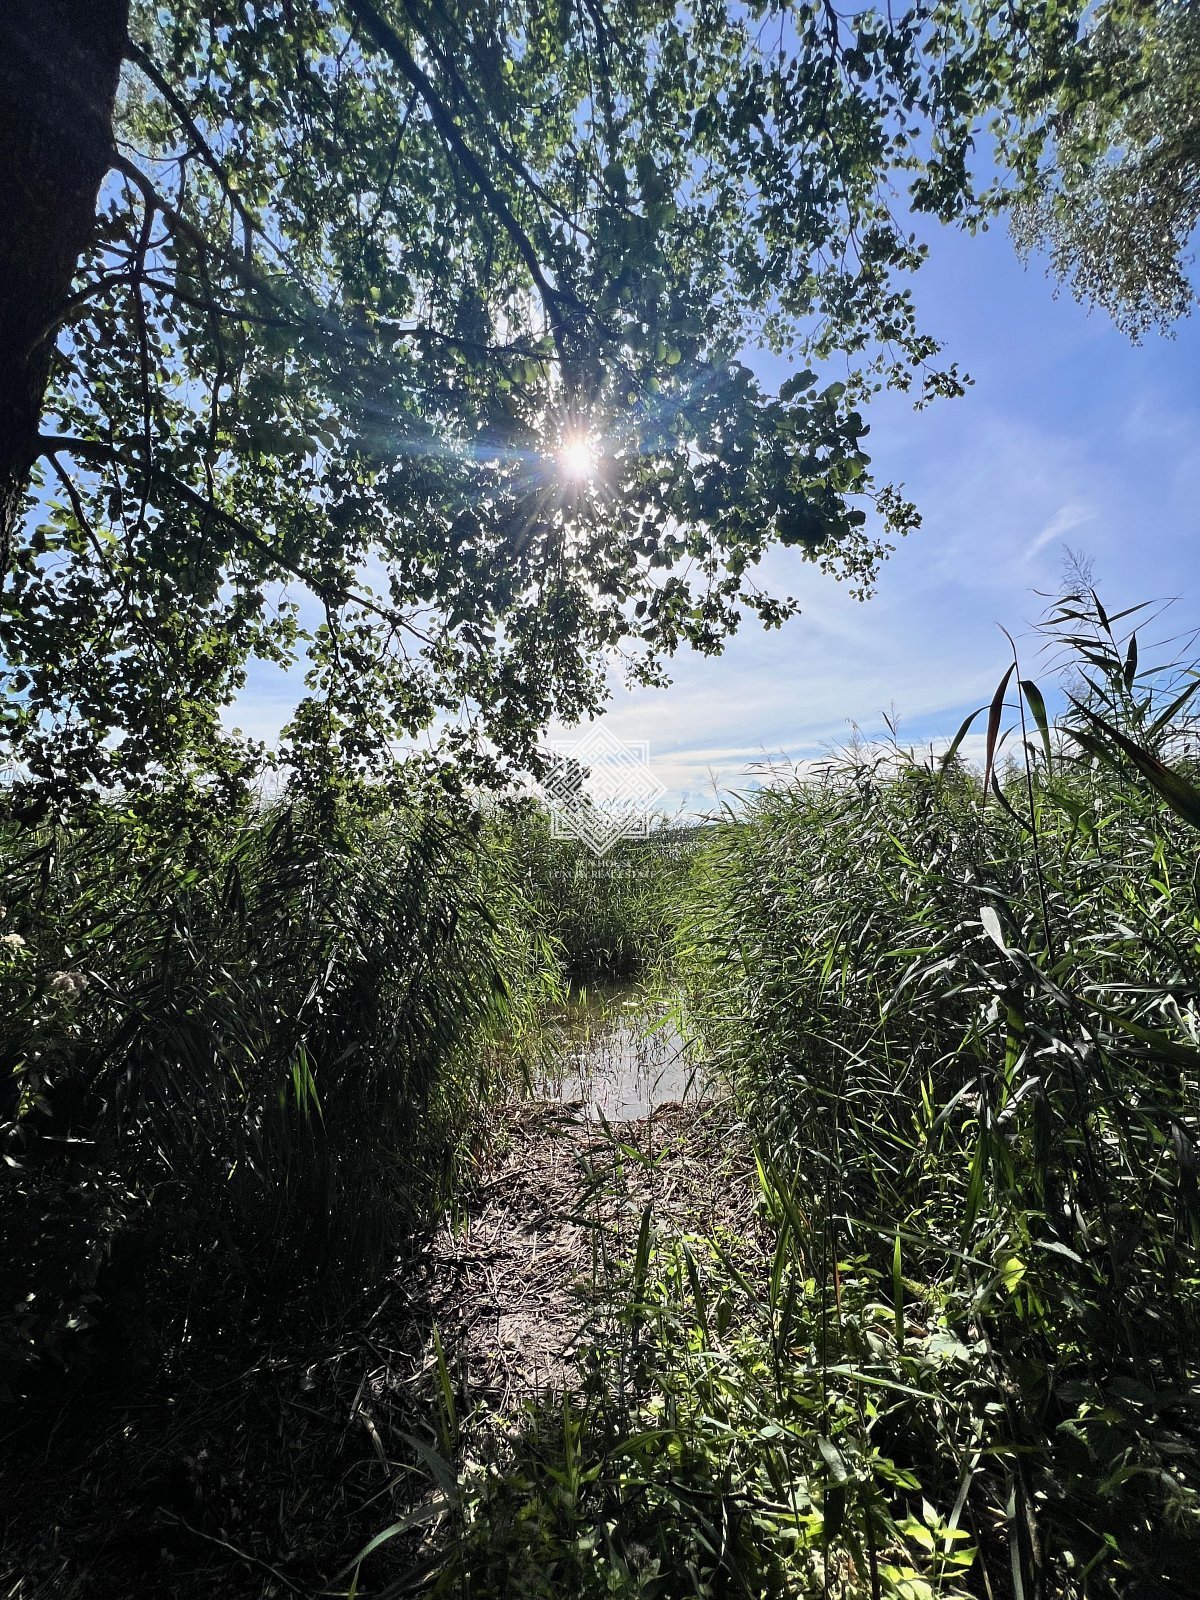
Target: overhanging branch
x,y
330,594
387,39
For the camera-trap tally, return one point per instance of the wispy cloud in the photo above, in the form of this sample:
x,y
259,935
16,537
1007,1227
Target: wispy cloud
x,y
1062,522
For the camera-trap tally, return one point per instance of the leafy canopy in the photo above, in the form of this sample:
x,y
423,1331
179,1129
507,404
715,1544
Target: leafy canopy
x,y
363,268
1118,206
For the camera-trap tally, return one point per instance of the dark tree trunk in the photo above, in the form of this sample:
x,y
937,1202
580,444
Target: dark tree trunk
x,y
59,64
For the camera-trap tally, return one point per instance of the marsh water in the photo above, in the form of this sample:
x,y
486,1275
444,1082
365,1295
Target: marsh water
x,y
618,1055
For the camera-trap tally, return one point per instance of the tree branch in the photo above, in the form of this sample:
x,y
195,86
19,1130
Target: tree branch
x,y
508,156
324,320
204,150
385,37
330,594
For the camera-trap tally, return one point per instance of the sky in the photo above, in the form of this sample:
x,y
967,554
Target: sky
x,y
1069,437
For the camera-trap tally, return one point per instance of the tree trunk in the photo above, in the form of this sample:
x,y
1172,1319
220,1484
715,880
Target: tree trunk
x,y
59,65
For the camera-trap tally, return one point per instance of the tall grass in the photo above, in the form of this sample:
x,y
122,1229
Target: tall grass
x,y
260,1043
961,1012
968,1037
610,916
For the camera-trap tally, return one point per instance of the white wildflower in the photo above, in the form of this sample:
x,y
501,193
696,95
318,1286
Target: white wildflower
x,y
68,983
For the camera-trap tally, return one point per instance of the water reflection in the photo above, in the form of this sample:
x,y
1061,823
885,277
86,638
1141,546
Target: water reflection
x,y
619,1054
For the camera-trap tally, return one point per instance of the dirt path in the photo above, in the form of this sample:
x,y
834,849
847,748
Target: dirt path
x,y
565,1202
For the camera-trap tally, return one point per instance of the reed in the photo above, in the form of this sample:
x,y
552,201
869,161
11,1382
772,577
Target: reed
x,y
961,1012
611,916
263,1045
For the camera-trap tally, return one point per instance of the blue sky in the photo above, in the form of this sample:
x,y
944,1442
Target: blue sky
x,y
1069,436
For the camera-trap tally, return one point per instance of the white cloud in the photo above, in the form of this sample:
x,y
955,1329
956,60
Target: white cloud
x,y
1062,522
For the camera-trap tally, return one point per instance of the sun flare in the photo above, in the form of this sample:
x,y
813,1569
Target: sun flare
x,y
577,457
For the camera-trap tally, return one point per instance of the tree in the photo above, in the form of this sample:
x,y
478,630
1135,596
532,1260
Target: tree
x,y
58,80
1117,202
296,326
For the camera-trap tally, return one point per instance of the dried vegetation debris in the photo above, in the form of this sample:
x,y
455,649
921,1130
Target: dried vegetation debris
x,y
563,1203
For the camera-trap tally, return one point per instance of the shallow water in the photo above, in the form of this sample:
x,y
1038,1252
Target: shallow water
x,y
620,1056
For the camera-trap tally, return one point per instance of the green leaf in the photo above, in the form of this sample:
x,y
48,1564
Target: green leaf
x,y
1176,706
990,919
1033,698
958,738
898,1294
1179,792
995,713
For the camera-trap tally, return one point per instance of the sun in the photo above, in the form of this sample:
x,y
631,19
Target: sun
x,y
577,456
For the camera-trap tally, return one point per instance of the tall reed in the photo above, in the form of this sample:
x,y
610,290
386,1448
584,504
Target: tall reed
x,y
610,915
258,1042
962,1012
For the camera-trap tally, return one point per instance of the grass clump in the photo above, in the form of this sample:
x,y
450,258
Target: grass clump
x,y
255,1046
966,1033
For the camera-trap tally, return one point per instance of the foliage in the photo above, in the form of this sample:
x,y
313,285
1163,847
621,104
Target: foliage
x,y
1118,203
609,916
724,1442
967,1034
255,1049
359,271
